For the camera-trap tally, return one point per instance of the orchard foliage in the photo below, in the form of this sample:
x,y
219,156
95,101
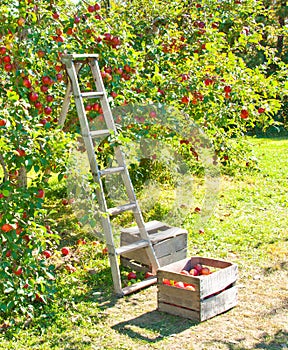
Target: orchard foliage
x,y
220,63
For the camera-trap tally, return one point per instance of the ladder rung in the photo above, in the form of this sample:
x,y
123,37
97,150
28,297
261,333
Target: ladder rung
x,y
142,243
97,133
92,94
121,208
109,171
73,56
137,286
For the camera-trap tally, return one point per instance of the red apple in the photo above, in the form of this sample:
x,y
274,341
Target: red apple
x,y
194,272
244,114
65,251
190,287
198,267
77,19
132,276
91,8
179,285
21,21
227,89
166,281
205,271
97,7
40,53
55,15
261,110
185,272
8,253
7,228
47,110
119,71
47,254
27,83
148,274
40,194
65,201
3,50
38,105
185,99
70,268
59,76
49,98
46,80
2,122
44,88
20,153
33,96
19,271
8,67
208,81
7,59
38,298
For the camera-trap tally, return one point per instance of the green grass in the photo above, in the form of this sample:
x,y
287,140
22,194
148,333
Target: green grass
x,y
249,226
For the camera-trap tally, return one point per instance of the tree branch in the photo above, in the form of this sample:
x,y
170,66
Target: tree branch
x,y
6,175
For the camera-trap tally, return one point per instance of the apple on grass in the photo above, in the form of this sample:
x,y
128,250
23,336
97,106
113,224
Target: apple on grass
x,y
148,275
132,276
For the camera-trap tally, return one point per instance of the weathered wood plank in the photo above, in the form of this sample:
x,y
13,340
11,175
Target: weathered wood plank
x,y
175,310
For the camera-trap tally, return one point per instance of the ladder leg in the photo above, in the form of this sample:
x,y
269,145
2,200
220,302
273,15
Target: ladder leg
x,y
65,106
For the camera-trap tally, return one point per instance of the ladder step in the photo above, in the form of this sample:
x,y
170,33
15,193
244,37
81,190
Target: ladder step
x,y
98,133
75,55
109,171
142,243
140,285
121,208
92,94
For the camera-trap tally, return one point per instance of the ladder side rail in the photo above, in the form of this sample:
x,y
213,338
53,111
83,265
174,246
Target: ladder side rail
x,y
96,73
67,99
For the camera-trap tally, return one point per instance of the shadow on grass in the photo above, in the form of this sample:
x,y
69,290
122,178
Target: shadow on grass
x,y
153,326
278,341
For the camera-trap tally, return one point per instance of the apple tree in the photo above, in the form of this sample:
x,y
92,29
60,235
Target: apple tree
x,y
194,56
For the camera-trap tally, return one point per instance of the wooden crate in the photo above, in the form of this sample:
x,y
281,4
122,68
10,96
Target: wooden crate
x,y
214,293
169,244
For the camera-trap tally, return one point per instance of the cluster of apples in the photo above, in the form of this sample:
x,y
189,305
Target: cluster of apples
x,y
196,270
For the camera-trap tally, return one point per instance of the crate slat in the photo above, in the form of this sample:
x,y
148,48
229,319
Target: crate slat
x,y
178,311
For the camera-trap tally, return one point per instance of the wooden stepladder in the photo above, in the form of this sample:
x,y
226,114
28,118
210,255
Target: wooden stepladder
x,y
74,63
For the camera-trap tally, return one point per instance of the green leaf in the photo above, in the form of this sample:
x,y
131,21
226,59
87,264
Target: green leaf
x,y
12,95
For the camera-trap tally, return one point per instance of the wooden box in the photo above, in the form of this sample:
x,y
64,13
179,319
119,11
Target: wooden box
x,y
213,294
169,244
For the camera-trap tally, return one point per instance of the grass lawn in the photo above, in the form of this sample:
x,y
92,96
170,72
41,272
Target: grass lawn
x,y
249,227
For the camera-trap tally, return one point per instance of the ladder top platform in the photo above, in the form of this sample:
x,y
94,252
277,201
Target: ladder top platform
x,y
79,56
